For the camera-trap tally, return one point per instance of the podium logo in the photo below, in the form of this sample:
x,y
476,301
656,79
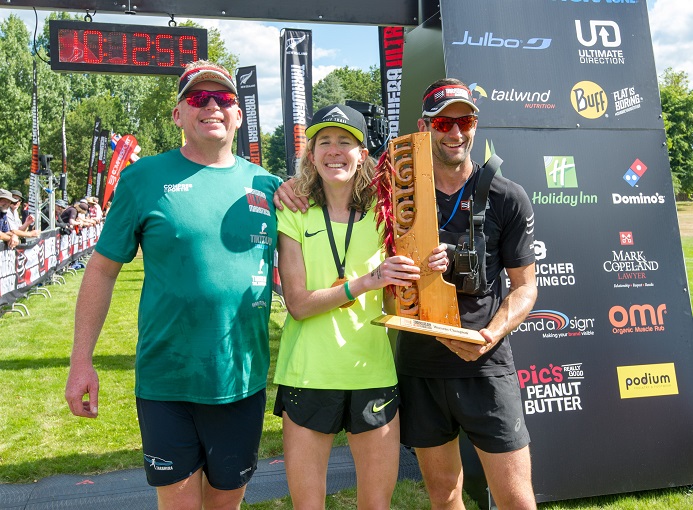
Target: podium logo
x,y
560,172
639,381
589,99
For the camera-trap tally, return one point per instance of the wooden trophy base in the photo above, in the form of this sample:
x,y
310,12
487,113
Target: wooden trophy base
x,y
429,328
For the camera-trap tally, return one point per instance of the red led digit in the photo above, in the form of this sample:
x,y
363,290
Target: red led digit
x,y
93,49
187,47
139,49
166,49
117,49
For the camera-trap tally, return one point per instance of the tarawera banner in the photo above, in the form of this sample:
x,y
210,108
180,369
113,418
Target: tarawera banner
x,y
391,51
63,175
31,264
249,134
297,92
124,153
92,155
33,179
101,164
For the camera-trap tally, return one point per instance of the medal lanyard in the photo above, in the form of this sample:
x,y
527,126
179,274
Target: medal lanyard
x,y
333,245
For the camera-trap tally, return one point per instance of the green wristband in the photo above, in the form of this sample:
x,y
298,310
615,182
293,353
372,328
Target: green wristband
x,y
347,292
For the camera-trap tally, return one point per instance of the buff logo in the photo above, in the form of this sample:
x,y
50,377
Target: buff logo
x,y
555,388
589,99
647,380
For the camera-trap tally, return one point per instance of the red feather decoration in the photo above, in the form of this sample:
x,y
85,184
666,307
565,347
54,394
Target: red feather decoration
x,y
382,180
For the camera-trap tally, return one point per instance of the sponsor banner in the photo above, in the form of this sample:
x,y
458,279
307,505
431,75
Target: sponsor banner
x,y
63,175
647,380
557,65
31,264
391,41
637,318
249,133
124,153
92,155
34,196
555,388
104,139
297,92
628,266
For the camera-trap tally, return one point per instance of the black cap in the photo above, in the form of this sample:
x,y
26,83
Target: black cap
x,y
436,100
338,115
17,193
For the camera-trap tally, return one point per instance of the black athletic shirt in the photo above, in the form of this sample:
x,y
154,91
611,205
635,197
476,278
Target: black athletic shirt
x,y
509,233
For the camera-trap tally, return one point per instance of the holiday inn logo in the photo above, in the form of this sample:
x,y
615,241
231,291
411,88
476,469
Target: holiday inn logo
x,y
560,172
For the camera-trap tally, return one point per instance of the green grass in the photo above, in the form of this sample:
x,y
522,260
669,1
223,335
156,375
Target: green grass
x,y
40,438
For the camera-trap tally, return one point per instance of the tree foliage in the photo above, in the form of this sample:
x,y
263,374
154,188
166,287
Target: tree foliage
x,y
346,83
126,104
677,109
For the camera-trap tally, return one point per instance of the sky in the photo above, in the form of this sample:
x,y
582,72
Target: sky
x,y
257,43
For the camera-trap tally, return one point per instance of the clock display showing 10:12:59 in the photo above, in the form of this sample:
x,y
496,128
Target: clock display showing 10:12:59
x,y
79,46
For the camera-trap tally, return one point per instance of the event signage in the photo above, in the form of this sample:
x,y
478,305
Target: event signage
x,y
297,92
249,133
578,124
88,47
391,41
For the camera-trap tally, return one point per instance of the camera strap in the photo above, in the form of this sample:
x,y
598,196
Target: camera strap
x,y
483,186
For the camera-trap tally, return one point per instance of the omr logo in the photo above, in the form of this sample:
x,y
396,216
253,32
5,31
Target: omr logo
x,y
560,172
589,99
637,318
606,30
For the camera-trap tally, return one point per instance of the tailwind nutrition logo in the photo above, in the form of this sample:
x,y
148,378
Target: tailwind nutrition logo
x,y
639,381
589,99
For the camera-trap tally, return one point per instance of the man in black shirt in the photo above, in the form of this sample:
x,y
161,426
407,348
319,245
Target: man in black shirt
x,y
445,384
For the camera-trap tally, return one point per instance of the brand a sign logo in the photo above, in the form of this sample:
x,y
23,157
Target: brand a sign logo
x,y
639,381
490,41
560,172
589,99
555,324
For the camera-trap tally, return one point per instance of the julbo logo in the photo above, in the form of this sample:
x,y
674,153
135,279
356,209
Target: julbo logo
x,y
534,43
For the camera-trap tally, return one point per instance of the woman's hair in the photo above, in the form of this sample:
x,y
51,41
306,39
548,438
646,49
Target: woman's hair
x,y
309,183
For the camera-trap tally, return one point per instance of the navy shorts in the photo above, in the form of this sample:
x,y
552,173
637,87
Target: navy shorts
x,y
330,411
178,438
488,409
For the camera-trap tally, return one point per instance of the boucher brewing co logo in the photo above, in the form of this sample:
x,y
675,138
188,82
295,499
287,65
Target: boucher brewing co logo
x,y
550,273
551,389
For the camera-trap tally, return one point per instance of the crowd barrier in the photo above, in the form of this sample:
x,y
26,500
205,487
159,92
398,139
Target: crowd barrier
x,y
37,261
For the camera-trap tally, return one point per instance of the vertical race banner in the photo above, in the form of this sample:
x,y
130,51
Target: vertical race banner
x,y
92,155
101,164
391,50
124,152
63,174
297,92
249,134
33,179
568,97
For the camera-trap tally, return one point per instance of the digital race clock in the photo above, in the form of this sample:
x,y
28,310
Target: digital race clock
x,y
136,49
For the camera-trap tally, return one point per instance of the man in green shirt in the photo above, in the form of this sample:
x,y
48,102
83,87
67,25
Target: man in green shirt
x,y
203,349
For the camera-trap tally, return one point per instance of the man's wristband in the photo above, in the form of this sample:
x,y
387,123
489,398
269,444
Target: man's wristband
x,y
347,292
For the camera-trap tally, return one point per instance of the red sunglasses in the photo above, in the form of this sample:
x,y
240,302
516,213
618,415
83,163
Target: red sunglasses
x,y
444,124
200,98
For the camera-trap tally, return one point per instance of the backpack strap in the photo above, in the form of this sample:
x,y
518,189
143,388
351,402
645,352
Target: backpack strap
x,y
488,172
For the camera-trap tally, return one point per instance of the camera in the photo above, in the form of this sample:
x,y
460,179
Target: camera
x,y
465,273
378,128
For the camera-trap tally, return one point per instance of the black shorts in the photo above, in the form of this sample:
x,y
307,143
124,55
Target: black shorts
x,y
488,409
180,437
330,411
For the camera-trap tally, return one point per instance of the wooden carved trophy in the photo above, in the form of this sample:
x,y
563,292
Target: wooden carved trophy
x,y
407,206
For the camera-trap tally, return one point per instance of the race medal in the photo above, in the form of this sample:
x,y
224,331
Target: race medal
x,y
337,283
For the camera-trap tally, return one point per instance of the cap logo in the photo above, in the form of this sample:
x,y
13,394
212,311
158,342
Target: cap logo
x,y
438,95
336,115
294,41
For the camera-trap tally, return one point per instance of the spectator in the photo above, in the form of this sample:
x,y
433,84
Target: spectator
x,y
7,234
95,211
14,217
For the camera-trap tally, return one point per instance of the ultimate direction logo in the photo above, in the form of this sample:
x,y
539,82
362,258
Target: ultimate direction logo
x,y
605,32
555,388
489,41
647,380
632,177
555,324
561,172
589,99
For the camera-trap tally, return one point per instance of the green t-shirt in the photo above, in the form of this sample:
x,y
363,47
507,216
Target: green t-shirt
x,y
339,349
207,237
